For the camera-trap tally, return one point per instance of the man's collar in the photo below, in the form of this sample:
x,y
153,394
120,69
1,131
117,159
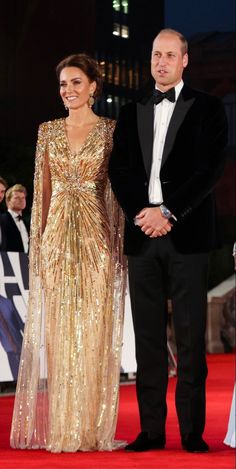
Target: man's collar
x,y
14,214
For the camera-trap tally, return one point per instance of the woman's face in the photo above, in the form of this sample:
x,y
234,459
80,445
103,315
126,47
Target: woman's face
x,y
75,87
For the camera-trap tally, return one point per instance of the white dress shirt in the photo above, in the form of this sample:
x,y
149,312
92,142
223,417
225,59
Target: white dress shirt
x,y
162,115
22,229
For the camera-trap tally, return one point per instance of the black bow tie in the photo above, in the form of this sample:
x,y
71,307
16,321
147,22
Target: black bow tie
x,y
158,96
19,217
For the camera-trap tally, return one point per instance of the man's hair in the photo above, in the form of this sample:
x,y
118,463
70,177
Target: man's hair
x,y
15,188
181,37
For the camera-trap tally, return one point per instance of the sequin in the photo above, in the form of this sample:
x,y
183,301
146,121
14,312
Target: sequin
x,y
67,390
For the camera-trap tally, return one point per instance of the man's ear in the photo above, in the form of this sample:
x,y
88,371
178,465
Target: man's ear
x,y
185,60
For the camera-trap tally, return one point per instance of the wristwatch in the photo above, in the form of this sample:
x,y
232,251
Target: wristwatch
x,y
165,211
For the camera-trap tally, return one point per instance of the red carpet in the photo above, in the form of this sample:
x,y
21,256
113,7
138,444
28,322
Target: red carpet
x,y
219,394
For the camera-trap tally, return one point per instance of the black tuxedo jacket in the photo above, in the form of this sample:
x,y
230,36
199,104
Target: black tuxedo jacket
x,y
11,237
193,160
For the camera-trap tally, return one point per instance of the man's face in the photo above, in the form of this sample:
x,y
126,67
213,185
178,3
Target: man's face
x,y
168,60
2,191
17,201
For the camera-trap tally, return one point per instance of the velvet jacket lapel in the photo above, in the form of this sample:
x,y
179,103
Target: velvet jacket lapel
x,y
145,118
183,104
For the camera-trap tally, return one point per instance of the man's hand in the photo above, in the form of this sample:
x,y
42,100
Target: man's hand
x,y
152,222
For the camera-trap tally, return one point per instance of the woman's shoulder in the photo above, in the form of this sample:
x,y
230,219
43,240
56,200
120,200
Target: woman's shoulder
x,y
48,126
108,122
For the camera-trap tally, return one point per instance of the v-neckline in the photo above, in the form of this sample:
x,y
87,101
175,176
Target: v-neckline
x,y
74,153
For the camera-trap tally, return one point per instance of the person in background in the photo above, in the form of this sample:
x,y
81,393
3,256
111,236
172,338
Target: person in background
x,y
230,437
168,155
11,333
15,229
68,385
3,188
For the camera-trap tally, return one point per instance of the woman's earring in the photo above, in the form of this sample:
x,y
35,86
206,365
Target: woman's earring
x,y
91,100
64,104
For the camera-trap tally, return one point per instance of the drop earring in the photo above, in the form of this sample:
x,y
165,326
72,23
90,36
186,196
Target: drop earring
x,y
91,100
64,104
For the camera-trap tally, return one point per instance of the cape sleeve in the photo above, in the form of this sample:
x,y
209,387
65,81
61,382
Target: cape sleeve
x,y
119,261
29,416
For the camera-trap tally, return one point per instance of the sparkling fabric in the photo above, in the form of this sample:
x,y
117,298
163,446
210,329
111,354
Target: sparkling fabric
x,y
68,384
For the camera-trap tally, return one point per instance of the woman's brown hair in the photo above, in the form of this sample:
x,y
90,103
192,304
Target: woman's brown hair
x,y
88,65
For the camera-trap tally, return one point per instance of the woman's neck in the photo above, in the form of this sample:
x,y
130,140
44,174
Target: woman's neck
x,y
81,117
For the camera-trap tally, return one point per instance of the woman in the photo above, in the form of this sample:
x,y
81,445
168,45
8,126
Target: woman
x,y
230,437
67,390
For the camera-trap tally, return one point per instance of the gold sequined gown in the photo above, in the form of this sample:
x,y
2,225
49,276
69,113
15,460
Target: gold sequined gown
x,y
68,383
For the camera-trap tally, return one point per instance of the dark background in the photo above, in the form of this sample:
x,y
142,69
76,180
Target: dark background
x,y
191,17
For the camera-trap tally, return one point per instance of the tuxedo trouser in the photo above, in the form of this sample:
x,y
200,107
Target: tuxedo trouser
x,y
158,273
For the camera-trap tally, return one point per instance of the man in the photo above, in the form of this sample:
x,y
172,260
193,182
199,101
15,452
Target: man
x,y
166,159
14,228
11,333
3,188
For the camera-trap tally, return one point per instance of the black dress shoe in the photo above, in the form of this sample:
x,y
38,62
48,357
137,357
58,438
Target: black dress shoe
x,y
195,444
143,443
